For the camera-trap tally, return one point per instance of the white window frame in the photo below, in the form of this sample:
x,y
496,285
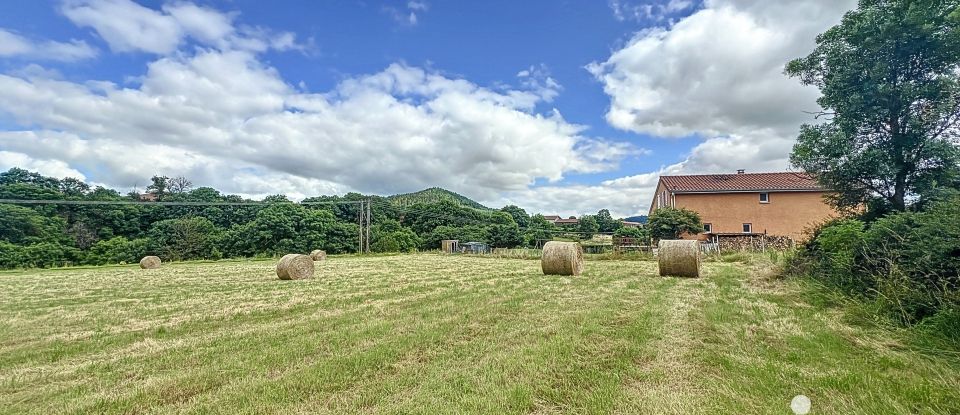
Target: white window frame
x,y
748,226
707,227
762,198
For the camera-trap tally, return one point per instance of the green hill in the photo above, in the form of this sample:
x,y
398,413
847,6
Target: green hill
x,y
433,195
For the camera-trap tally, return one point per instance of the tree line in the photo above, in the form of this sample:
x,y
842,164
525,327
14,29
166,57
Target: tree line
x,y
97,234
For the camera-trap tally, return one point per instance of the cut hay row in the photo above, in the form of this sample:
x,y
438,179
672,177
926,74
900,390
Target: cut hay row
x,y
679,258
562,258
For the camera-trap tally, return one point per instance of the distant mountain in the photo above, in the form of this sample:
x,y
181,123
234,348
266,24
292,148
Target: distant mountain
x,y
433,195
641,219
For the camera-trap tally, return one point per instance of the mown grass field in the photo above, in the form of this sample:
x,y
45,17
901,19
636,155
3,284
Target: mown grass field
x,y
445,334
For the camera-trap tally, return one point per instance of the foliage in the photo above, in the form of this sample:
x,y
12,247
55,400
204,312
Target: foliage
x,y
890,81
390,236
435,195
519,215
670,223
185,238
606,222
640,233
538,230
907,263
108,234
116,250
587,226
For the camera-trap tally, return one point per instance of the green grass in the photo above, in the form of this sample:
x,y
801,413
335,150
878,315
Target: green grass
x,y
433,333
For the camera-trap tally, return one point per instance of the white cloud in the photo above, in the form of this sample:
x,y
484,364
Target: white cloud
x,y
718,75
225,119
52,168
627,196
654,11
129,27
14,45
407,16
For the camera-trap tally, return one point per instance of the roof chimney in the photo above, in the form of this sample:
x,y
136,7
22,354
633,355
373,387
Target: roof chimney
x,y
741,171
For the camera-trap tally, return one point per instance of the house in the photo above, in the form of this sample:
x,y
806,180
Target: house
x,y
148,197
552,218
628,224
567,222
775,204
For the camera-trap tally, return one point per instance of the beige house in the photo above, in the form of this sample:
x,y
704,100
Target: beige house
x,y
777,204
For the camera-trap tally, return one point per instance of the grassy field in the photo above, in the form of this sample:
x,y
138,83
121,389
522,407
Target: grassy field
x,y
444,334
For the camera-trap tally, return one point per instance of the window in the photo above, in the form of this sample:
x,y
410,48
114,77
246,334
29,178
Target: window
x,y
764,197
708,227
747,228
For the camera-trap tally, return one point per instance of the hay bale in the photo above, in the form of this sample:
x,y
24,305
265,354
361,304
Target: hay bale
x,y
562,258
295,267
150,262
318,255
679,258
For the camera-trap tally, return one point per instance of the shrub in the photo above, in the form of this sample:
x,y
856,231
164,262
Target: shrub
x,y
907,264
116,250
670,223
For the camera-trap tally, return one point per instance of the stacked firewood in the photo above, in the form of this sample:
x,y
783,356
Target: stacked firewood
x,y
755,243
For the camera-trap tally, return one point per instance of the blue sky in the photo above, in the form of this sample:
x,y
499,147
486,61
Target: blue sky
x,y
558,106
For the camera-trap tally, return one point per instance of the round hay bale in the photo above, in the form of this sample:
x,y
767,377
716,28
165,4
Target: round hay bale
x,y
562,258
318,255
150,262
295,267
679,258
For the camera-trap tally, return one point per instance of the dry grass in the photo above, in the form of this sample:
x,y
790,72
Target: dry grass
x,y
443,334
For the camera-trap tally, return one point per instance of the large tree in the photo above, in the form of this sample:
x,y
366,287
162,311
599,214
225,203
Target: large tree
x,y
891,102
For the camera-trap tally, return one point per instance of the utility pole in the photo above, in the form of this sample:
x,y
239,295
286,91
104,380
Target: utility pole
x,y
360,229
367,239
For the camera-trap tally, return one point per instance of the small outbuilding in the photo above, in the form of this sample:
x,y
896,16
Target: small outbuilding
x,y
474,248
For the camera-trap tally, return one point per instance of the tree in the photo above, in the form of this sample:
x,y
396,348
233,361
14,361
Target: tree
x,y
539,229
670,223
186,238
519,215
71,187
504,236
159,186
890,78
588,226
179,185
606,222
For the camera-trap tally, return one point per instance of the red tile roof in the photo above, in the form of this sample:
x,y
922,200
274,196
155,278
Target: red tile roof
x,y
740,182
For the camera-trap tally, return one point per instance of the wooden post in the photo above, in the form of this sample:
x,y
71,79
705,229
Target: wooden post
x,y
367,239
360,230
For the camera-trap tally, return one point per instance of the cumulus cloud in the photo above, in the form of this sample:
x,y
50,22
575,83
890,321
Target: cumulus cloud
x,y
624,197
129,27
15,45
47,167
717,74
225,119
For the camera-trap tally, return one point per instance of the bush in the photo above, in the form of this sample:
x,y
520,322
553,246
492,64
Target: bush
x,y
39,255
670,223
643,234
907,264
116,250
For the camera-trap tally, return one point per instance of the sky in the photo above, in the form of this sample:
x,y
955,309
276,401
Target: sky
x,y
560,107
